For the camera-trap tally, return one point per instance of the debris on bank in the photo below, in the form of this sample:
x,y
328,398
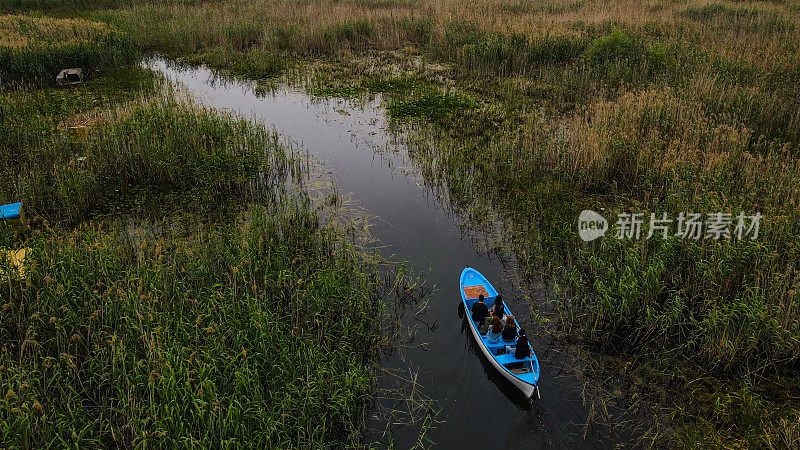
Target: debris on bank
x,y
69,77
12,263
12,212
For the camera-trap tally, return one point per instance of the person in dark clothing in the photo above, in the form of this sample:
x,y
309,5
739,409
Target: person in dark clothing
x,y
499,309
523,350
510,330
480,311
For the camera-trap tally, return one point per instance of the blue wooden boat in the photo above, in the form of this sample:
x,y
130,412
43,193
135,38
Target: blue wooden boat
x,y
10,211
522,373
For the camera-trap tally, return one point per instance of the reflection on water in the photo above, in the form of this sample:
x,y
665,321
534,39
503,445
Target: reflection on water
x,y
353,141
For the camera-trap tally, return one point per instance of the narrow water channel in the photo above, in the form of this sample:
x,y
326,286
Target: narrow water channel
x,y
478,408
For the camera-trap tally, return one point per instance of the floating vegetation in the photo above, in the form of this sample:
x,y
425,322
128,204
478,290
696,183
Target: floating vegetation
x,y
430,105
345,91
396,85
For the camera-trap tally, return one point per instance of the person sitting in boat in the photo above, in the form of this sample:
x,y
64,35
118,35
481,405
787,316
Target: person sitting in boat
x,y
510,330
480,311
495,331
499,309
523,350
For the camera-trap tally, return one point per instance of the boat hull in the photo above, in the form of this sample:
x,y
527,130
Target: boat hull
x,y
472,284
527,389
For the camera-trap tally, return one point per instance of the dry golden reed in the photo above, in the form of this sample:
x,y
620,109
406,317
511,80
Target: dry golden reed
x,y
18,31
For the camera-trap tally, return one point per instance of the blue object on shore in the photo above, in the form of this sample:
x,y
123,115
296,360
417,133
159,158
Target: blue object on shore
x,y
522,373
10,211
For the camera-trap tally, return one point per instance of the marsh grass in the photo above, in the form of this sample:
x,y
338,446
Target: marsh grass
x,y
159,143
228,315
506,54
621,104
570,53
255,333
66,7
747,19
665,304
385,3
35,49
255,64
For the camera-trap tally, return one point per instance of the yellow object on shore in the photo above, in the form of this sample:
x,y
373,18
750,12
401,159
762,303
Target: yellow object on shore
x,y
12,263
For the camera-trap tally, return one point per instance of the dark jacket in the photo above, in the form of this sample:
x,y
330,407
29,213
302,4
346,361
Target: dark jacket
x,y
479,312
509,333
498,310
523,349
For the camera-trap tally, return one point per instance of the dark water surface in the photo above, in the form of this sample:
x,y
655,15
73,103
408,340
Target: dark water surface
x,y
477,407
